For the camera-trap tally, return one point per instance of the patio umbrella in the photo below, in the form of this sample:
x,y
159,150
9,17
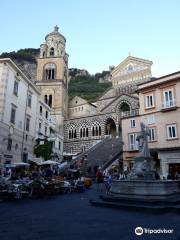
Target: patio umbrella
x,y
21,164
49,162
62,165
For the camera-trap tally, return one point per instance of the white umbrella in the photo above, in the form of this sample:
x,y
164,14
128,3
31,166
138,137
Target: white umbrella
x,y
21,164
49,162
62,165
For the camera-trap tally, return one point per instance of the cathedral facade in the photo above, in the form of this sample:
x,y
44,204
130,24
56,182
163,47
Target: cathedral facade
x,y
89,123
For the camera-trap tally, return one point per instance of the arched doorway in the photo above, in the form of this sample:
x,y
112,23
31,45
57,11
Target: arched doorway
x,y
110,127
124,107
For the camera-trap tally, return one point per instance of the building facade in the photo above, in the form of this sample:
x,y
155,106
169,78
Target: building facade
x,y
89,123
160,111
18,102
46,130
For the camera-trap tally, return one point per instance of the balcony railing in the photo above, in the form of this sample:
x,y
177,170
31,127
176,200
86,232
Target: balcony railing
x,y
168,104
131,113
133,147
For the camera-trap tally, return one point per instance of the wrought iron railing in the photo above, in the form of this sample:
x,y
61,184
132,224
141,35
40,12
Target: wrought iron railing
x,y
131,113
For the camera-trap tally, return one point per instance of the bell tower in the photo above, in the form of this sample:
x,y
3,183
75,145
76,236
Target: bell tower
x,y
52,75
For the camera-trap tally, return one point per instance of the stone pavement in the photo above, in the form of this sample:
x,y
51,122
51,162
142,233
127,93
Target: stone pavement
x,y
71,217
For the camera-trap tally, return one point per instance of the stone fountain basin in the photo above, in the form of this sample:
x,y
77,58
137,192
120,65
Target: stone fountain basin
x,y
157,189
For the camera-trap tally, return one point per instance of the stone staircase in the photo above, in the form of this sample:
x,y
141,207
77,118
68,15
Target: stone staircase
x,y
102,154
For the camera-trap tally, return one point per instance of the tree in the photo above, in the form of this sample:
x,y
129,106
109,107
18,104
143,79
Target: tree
x,y
43,150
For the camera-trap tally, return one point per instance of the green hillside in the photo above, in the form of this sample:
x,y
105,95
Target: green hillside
x,y
27,54
87,87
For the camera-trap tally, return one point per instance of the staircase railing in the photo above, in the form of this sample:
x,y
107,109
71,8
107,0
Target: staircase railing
x,y
114,157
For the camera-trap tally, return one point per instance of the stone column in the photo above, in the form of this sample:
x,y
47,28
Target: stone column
x,y
117,130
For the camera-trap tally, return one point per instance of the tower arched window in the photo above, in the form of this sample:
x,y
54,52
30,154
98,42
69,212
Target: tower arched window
x,y
46,99
50,101
50,70
51,53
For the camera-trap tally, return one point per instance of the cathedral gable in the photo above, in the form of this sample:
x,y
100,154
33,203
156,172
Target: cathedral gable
x,y
130,65
131,70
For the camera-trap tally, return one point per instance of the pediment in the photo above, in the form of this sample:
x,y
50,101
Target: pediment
x,y
131,65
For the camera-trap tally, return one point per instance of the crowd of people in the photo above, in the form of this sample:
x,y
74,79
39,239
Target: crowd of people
x,y
33,173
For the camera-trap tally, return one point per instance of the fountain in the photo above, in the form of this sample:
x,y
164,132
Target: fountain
x,y
142,181
141,189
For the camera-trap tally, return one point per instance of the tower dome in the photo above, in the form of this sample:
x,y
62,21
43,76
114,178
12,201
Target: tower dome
x,y
54,45
55,35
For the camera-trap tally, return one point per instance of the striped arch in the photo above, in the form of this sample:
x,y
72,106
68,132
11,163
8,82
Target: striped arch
x,y
126,103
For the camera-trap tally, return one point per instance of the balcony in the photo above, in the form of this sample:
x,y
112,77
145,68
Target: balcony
x,y
168,105
131,113
133,147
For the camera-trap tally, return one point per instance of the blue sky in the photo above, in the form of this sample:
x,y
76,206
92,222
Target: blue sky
x,y
99,33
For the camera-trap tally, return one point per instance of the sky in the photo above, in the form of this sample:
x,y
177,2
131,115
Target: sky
x,y
99,33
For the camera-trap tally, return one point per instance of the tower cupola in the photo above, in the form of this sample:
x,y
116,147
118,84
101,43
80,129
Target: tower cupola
x,y
54,45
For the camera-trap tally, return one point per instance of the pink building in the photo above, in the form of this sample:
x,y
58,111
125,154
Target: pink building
x,y
159,101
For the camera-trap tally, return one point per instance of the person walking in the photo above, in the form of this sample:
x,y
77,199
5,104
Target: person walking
x,y
108,183
99,180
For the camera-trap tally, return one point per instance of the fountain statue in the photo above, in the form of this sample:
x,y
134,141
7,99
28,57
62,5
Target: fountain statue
x,y
143,163
141,180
